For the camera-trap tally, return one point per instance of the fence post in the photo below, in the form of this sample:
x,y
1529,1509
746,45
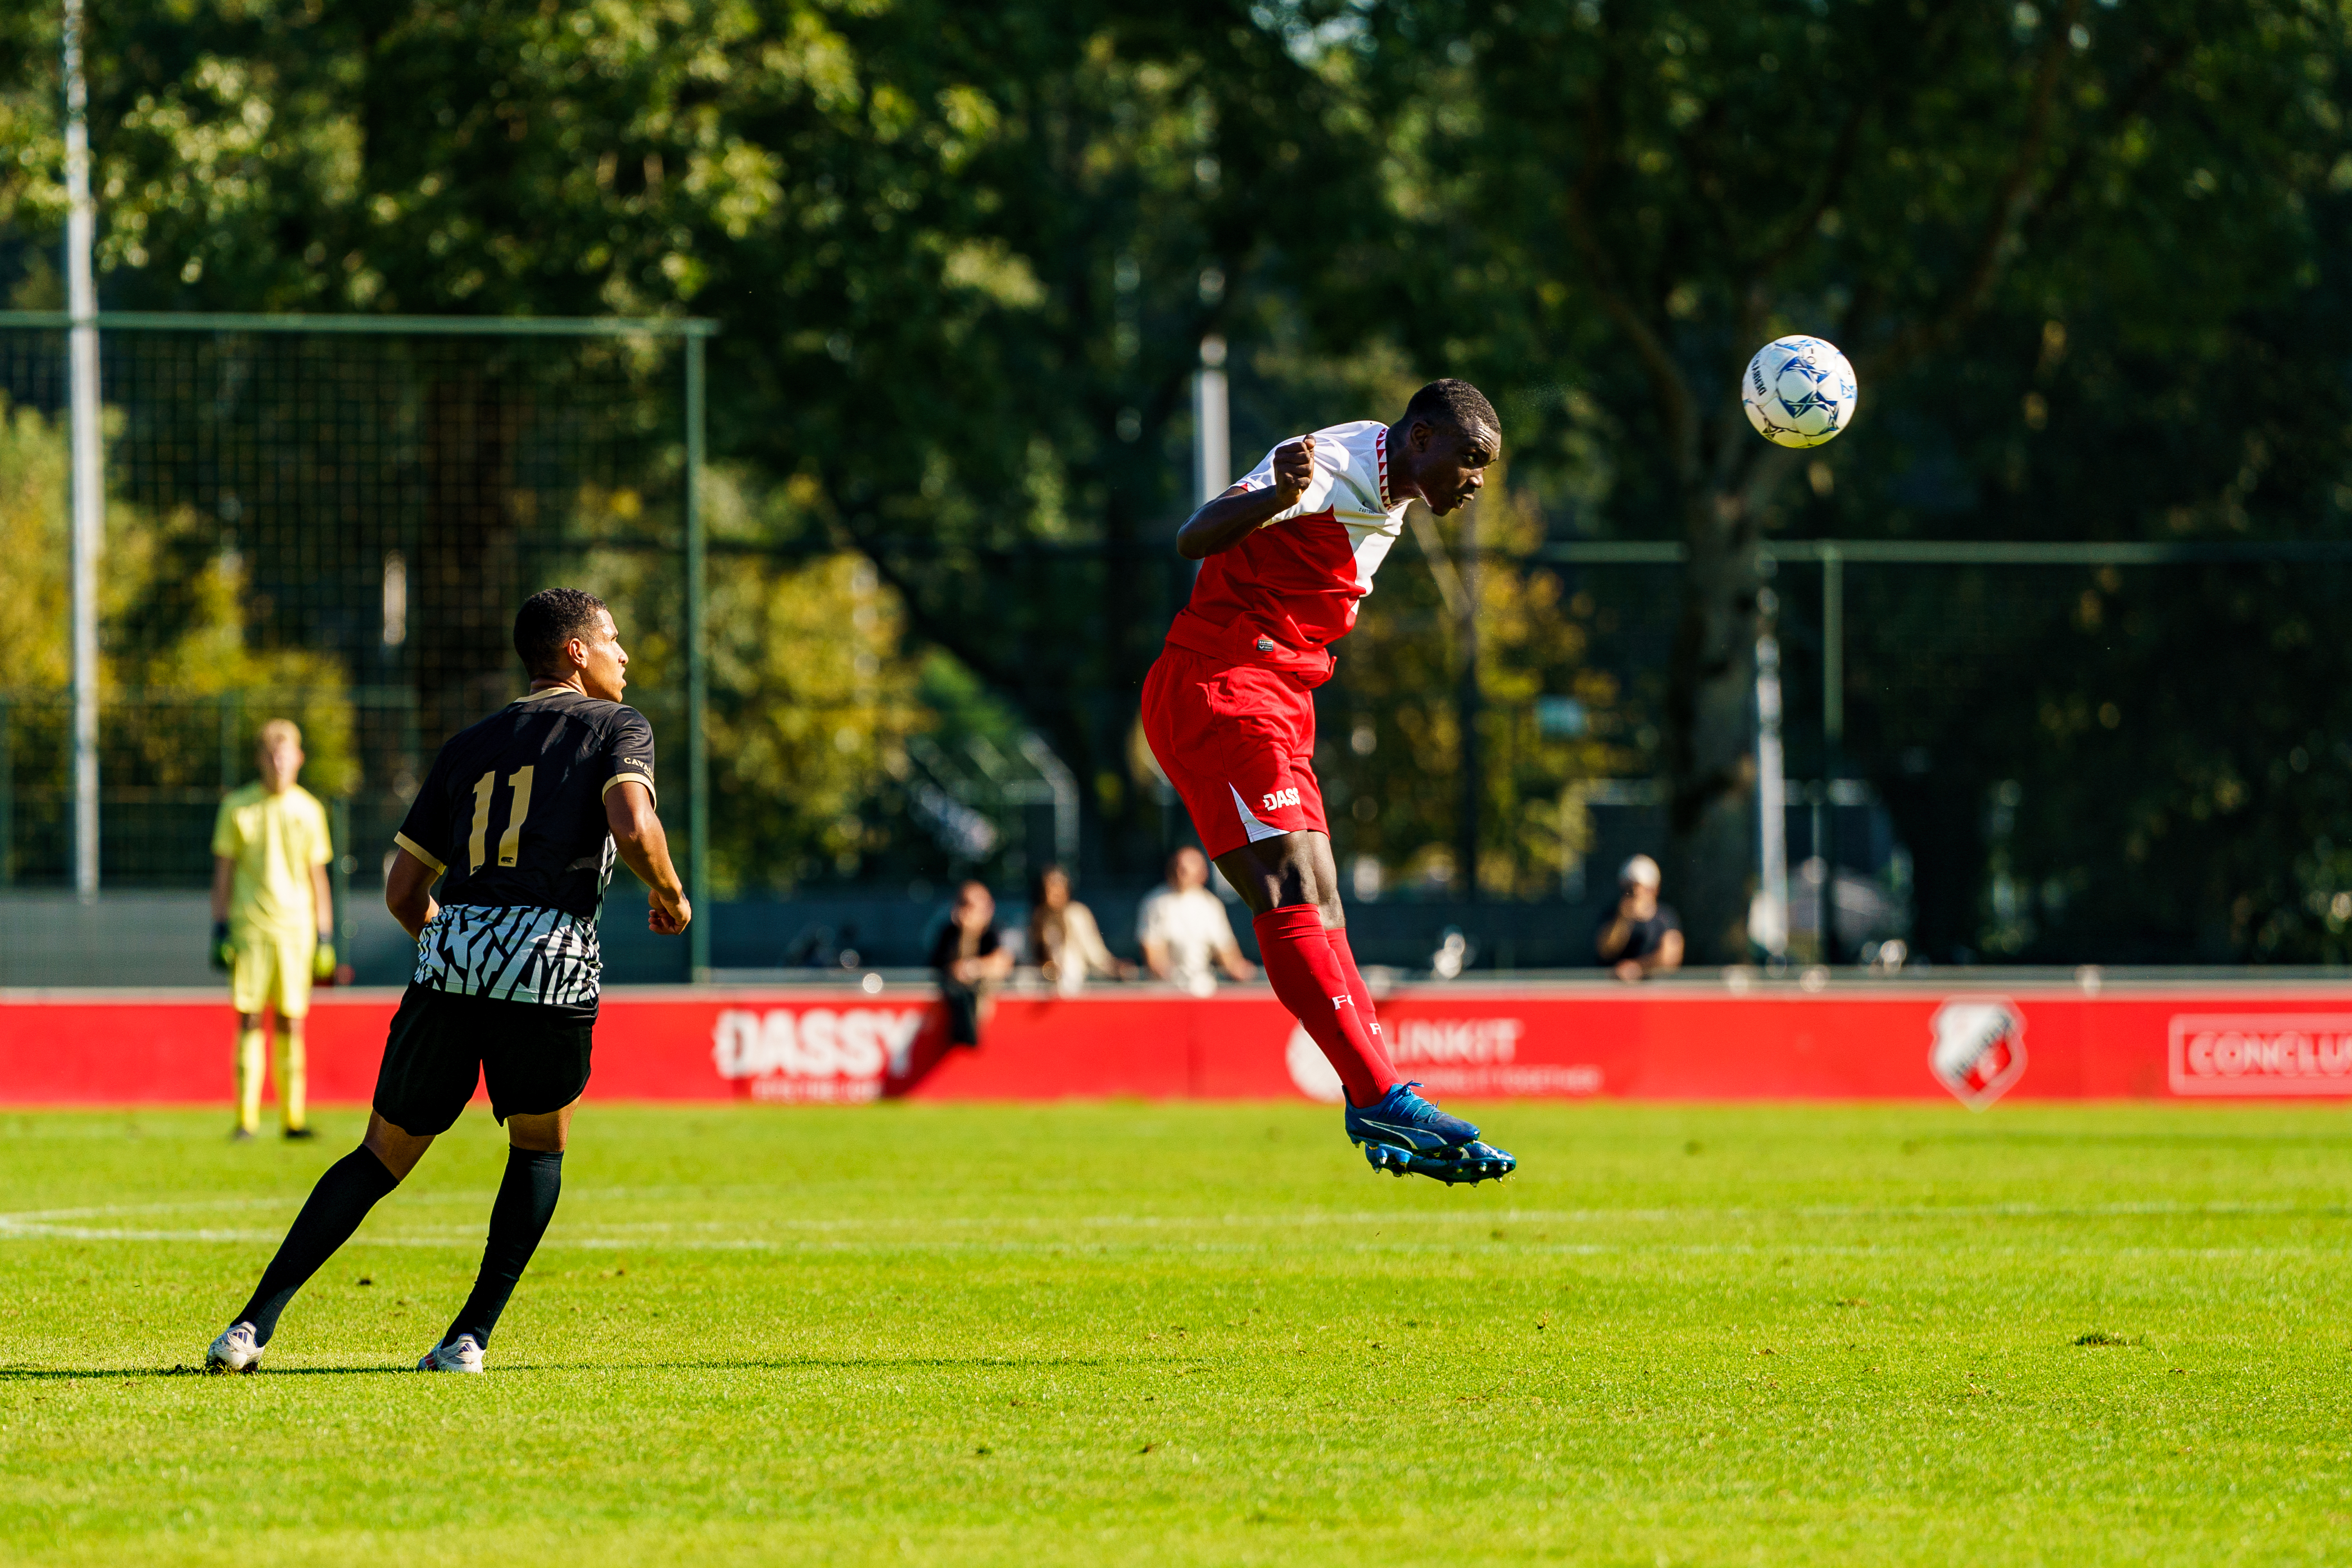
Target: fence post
x,y
1771,802
1832,737
698,676
341,883
7,794
1466,705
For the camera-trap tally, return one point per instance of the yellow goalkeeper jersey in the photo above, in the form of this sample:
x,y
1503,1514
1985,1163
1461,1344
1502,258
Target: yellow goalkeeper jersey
x,y
273,841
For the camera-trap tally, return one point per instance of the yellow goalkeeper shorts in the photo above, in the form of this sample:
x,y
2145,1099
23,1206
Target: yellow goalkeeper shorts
x,y
271,972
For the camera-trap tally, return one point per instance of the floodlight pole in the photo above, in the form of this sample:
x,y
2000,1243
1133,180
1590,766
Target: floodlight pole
x,y
88,536
697,680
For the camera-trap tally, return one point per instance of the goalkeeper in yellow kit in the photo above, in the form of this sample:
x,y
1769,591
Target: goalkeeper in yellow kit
x,y
273,920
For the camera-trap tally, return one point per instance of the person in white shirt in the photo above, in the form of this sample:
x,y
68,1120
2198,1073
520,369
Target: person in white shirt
x,y
1183,929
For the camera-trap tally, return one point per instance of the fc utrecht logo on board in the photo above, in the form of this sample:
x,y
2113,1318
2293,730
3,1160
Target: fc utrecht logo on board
x,y
1979,1049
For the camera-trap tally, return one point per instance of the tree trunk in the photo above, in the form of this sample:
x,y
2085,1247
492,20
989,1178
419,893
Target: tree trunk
x,y
1710,759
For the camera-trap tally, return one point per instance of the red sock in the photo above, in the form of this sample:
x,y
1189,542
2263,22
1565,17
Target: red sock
x,y
1375,1049
1306,976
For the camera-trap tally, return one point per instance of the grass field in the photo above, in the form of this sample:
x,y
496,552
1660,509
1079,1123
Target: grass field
x,y
1183,1334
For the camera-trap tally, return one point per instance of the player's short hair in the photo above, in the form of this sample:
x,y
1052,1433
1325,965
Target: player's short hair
x,y
279,730
1455,403
549,619
1641,871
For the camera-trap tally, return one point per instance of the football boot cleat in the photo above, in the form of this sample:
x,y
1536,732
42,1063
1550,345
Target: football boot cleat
x,y
463,1355
1402,1119
235,1351
1465,1163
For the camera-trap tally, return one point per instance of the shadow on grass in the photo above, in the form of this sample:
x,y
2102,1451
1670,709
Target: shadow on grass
x,y
41,1375
784,1363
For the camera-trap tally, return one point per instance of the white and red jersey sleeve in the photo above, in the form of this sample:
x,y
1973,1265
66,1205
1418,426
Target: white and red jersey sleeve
x,y
1292,587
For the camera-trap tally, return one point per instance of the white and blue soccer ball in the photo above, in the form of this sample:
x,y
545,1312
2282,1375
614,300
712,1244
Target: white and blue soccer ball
x,y
1799,392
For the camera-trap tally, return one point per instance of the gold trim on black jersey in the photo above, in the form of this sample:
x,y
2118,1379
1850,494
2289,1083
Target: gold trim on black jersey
x,y
644,779
414,847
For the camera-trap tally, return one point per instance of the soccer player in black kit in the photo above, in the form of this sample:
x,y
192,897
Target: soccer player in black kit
x,y
523,815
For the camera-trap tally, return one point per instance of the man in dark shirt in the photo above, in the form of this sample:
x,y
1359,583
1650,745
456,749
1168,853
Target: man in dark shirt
x,y
522,815
972,961
1640,937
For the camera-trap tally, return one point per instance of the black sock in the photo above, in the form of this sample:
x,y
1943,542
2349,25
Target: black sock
x,y
334,1209
526,1202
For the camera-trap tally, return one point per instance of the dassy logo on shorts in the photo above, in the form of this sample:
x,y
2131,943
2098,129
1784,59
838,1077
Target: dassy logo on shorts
x,y
1275,800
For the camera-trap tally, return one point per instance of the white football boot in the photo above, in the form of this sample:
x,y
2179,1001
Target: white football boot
x,y
233,1350
465,1355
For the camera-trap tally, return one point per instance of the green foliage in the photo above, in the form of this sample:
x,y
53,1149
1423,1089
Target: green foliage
x,y
2088,258
191,686
819,697
961,1333
1390,722
2087,261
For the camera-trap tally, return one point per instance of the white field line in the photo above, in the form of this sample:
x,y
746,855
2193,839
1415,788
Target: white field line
x,y
857,1234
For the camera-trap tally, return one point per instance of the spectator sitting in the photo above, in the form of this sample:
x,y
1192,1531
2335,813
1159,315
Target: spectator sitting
x,y
1064,938
1183,929
1640,937
972,959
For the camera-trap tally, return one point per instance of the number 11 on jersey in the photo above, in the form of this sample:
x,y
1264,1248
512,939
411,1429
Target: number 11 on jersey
x,y
511,841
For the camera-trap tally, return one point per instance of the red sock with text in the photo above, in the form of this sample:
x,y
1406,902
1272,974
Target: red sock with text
x,y
1376,1045
1306,976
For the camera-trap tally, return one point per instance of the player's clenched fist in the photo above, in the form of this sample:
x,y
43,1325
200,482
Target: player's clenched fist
x,y
1294,468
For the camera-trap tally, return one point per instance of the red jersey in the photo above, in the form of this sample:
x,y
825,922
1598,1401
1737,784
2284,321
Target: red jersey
x,y
1291,587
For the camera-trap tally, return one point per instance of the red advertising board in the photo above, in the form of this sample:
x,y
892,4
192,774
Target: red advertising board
x,y
1466,1041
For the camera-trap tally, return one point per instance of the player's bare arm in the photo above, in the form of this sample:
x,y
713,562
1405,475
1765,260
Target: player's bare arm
x,y
408,893
645,850
1238,513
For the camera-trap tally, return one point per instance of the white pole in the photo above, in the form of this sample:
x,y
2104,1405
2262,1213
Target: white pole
x,y
1213,449
88,475
1771,925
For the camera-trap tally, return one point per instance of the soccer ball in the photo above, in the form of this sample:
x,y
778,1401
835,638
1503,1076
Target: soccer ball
x,y
1799,392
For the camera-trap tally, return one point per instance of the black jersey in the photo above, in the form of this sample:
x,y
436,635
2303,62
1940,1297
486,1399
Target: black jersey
x,y
514,813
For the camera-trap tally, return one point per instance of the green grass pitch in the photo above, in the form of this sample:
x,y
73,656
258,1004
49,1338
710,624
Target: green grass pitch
x,y
1178,1334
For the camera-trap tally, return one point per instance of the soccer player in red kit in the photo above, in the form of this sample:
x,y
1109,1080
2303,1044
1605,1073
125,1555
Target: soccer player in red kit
x,y
1228,710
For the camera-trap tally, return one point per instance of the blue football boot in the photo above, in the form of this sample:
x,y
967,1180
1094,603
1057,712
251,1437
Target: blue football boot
x,y
1402,1119
1473,1161
1405,1133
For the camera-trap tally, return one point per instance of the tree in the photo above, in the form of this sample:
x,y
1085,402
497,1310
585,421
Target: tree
x,y
1646,191
962,255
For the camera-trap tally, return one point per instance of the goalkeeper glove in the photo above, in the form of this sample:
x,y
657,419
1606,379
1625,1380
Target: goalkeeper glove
x,y
224,949
322,963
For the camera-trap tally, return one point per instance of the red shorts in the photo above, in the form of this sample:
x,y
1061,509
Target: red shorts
x,y
1238,742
